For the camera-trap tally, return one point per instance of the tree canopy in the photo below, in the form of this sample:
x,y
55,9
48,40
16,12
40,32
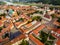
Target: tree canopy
x,y
54,2
2,3
24,42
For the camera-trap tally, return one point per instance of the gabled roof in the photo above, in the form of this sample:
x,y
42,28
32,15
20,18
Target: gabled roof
x,y
38,29
18,23
36,41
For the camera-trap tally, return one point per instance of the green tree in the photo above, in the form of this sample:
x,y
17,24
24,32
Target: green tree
x,y
0,29
24,42
53,16
2,3
21,19
46,38
58,26
58,20
54,2
38,18
51,8
3,15
41,12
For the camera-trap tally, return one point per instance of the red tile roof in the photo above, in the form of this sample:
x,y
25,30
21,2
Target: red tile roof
x,y
16,39
58,31
36,41
58,42
28,25
56,23
18,23
38,29
1,23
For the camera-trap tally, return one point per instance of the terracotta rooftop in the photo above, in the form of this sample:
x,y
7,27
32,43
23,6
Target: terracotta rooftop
x,y
58,42
18,23
56,23
36,41
28,25
58,31
16,39
38,29
1,23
